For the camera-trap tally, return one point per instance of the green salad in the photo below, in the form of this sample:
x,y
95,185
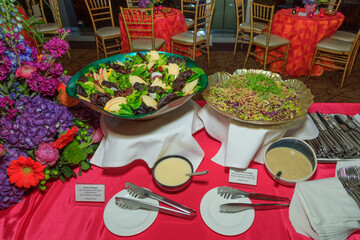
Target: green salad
x,y
255,96
141,84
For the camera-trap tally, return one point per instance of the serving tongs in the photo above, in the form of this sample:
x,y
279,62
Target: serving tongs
x,y
140,193
234,193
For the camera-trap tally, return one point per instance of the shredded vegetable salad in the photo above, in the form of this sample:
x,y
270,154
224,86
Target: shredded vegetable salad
x,y
255,97
141,84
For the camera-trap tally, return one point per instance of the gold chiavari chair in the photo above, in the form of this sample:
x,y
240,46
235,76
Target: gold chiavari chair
x,y
107,37
139,25
197,39
262,17
337,55
33,7
50,28
188,9
331,5
243,27
132,3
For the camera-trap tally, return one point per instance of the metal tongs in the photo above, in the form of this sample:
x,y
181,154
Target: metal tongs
x,y
140,192
234,193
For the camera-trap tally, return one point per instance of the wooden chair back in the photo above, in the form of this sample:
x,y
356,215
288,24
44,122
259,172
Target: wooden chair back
x,y
100,13
132,3
203,16
240,13
261,16
188,8
139,23
53,5
331,5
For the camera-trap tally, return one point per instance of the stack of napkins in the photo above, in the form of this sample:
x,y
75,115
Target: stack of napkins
x,y
242,142
322,209
170,134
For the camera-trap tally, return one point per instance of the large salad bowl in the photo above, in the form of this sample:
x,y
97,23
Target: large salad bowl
x,y
201,85
305,98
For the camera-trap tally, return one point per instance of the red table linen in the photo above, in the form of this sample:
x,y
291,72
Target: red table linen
x,y
54,214
166,25
304,33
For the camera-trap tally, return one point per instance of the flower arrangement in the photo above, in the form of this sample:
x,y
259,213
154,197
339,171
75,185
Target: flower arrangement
x,y
40,139
312,2
149,3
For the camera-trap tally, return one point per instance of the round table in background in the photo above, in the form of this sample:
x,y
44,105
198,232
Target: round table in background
x,y
166,25
304,33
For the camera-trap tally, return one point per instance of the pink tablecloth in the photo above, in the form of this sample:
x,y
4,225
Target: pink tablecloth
x,y
166,25
54,214
304,33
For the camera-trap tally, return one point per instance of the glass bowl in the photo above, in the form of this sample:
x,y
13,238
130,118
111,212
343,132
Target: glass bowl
x,y
71,88
305,96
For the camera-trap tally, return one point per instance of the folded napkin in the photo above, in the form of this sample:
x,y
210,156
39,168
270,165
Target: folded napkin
x,y
242,142
170,134
322,209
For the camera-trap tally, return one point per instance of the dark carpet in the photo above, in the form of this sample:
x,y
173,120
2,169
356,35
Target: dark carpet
x,y
325,88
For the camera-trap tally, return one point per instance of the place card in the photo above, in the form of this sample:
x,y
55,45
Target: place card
x,y
302,14
244,176
89,192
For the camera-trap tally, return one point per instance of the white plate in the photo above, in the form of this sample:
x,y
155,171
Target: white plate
x,y
228,224
125,222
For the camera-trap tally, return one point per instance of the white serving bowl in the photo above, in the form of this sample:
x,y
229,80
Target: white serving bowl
x,y
291,144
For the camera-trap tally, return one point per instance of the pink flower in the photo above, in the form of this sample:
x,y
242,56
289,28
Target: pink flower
x,y
97,135
47,154
2,150
24,71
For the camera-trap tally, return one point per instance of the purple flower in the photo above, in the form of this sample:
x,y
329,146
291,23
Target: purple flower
x,y
5,68
309,2
56,47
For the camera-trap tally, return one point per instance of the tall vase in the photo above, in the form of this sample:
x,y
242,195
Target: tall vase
x,y
309,8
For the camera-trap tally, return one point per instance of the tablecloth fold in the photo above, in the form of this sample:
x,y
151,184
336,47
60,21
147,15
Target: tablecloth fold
x,y
243,142
170,134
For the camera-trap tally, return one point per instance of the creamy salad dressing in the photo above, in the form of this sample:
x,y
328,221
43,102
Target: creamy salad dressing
x,y
172,171
293,164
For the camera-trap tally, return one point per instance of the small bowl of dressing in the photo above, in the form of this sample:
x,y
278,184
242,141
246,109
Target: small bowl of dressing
x,y
290,160
169,172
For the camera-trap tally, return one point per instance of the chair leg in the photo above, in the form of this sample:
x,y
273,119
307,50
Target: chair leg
x,y
286,56
346,69
194,52
247,55
236,41
97,47
208,53
104,47
312,64
265,57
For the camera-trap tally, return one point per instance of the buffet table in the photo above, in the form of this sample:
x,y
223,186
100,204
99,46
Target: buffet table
x,y
54,214
304,33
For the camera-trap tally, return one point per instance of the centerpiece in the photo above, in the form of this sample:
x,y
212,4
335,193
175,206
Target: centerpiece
x,y
310,5
149,3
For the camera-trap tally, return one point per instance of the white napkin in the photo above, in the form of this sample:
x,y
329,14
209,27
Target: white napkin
x,y
322,209
170,134
242,142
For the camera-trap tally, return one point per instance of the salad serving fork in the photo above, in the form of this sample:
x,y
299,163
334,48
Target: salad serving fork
x,y
138,192
234,193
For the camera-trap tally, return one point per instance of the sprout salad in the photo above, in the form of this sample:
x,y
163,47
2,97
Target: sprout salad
x,y
255,96
139,85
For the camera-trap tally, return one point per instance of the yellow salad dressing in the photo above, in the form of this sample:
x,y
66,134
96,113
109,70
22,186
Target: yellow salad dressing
x,y
172,171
